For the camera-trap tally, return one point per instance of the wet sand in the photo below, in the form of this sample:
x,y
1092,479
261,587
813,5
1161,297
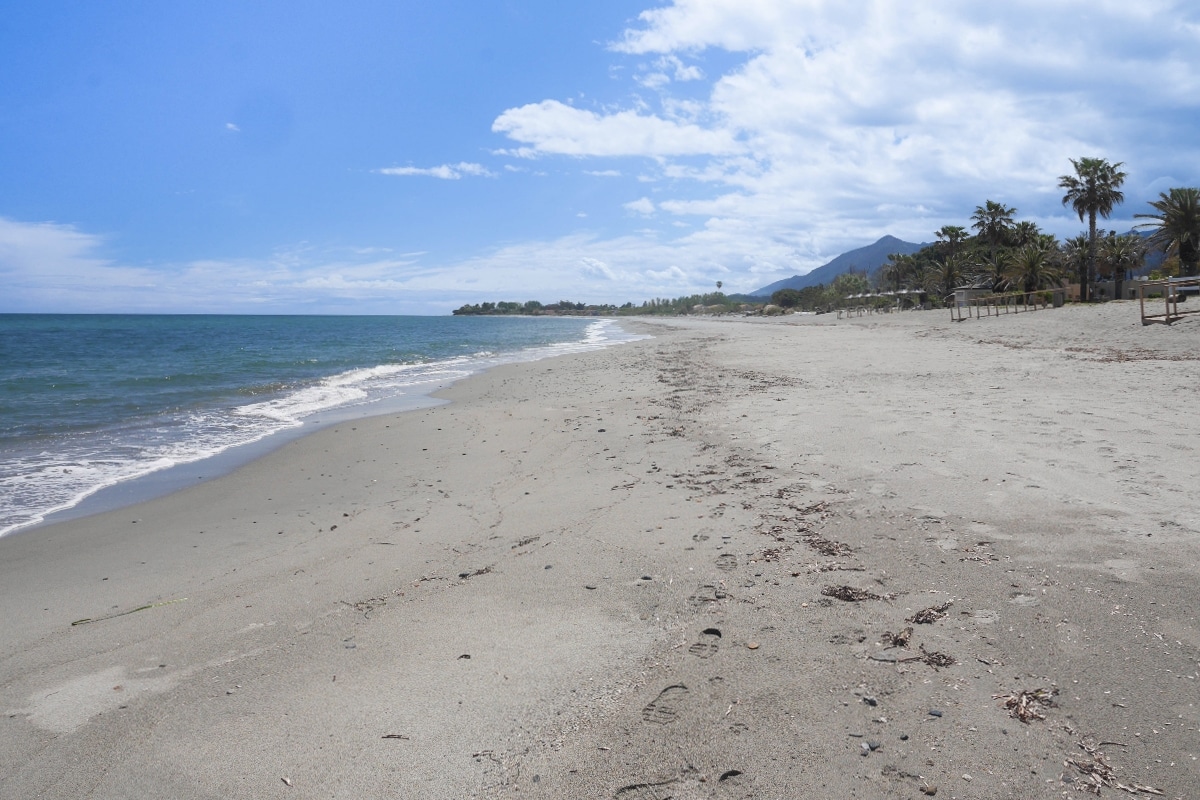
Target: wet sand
x,y
620,574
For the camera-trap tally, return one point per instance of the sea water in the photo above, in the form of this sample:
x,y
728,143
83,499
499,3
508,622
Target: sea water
x,y
91,401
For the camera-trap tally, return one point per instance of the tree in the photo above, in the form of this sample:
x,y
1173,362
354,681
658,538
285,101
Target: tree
x,y
995,269
899,272
846,284
1025,233
1032,269
786,298
951,239
1176,226
994,223
719,285
944,275
1094,189
1121,255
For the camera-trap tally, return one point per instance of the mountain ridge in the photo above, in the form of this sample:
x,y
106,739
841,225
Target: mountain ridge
x,y
866,259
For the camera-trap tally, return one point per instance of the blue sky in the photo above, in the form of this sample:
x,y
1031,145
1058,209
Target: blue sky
x,y
405,157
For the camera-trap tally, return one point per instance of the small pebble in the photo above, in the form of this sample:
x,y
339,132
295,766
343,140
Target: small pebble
x,y
589,586
869,700
933,712
967,777
647,578
873,744
752,645
929,790
904,737
866,749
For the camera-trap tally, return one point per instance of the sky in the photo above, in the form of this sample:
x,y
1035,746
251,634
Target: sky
x,y
407,157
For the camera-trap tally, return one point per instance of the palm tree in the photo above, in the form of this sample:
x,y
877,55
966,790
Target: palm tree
x,y
1093,189
994,222
951,239
1025,233
1073,255
1176,226
995,269
900,271
943,276
1122,255
1033,269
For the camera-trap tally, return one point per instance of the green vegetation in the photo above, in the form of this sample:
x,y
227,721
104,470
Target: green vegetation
x,y
1003,254
1176,227
1093,190
712,303
1010,255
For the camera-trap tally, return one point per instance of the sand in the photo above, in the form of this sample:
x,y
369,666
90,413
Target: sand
x,y
605,575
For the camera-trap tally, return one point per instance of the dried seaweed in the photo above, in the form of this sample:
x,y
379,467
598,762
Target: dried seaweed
x,y
928,616
1025,705
935,659
826,547
1097,773
900,639
849,594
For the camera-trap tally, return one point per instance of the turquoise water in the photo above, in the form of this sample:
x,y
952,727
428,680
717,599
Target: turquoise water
x,y
89,401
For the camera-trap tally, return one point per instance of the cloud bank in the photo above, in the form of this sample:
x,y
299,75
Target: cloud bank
x,y
840,122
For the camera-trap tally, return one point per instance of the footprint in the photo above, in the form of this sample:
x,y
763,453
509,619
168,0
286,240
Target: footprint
x,y
706,647
727,562
738,728
706,594
699,537
662,709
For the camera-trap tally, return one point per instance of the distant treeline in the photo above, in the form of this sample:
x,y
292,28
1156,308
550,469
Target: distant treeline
x,y
714,302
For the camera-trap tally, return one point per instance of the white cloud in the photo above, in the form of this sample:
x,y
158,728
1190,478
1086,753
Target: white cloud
x,y
595,268
841,122
447,172
671,274
643,205
603,173
229,126
666,69
48,267
551,127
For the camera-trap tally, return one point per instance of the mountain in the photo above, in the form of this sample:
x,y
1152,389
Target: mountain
x,y
864,259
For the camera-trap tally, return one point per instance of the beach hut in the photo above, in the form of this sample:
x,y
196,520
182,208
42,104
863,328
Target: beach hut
x,y
964,294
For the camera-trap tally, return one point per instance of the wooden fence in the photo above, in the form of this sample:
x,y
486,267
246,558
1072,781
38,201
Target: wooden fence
x,y
993,305
1170,291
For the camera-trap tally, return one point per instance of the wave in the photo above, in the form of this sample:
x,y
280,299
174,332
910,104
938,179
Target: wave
x,y
41,481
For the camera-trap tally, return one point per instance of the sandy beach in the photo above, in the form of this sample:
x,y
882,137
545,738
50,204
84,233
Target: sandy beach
x,y
890,556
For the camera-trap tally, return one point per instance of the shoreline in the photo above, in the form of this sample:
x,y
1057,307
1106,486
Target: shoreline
x,y
159,482
516,594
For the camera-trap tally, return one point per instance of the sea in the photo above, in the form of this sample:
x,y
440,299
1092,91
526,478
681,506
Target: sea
x,y
89,403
